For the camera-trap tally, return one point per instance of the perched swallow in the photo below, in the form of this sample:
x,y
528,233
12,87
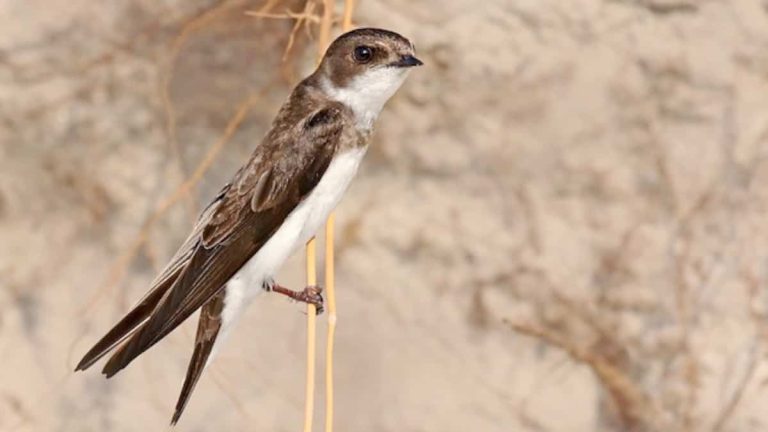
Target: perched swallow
x,y
273,205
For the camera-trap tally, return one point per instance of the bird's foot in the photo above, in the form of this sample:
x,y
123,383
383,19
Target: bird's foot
x,y
312,294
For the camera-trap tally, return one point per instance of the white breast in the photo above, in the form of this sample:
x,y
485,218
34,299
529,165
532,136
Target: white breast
x,y
302,223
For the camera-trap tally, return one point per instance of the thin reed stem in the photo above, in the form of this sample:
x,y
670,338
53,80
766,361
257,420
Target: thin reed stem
x,y
309,406
330,280
322,43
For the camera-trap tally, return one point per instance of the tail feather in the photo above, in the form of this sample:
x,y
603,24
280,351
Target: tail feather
x,y
129,324
207,331
164,318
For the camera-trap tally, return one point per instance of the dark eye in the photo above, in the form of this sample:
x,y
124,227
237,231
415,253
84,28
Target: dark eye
x,y
363,54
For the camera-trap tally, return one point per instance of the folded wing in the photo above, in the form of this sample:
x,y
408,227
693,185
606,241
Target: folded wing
x,y
281,173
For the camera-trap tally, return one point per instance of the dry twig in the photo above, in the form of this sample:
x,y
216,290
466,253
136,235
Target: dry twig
x,y
635,407
189,27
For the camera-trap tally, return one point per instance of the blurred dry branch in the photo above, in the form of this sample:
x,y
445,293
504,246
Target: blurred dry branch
x,y
634,405
305,18
190,26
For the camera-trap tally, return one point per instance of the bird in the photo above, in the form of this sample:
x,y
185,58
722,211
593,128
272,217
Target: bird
x,y
273,205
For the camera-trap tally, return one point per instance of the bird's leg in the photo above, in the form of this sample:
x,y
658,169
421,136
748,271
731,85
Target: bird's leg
x,y
311,294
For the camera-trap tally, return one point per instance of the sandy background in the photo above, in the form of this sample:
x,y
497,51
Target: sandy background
x,y
561,225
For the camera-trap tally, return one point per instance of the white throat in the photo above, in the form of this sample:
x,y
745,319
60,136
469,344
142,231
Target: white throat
x,y
366,94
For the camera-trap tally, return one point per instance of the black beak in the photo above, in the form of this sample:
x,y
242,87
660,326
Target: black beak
x,y
408,61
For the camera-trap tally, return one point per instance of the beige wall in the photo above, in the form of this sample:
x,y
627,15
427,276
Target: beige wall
x,y
561,225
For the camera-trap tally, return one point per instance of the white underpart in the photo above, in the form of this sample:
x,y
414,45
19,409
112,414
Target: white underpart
x,y
302,223
366,93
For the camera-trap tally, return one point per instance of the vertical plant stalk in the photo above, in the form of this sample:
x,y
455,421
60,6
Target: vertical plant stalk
x,y
322,42
330,276
349,8
330,280
309,405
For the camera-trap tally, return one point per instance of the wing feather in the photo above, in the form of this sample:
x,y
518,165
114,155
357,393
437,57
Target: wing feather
x,y
159,287
282,172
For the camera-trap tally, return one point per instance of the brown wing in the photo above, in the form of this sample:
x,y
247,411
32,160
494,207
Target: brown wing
x,y
279,171
144,307
250,211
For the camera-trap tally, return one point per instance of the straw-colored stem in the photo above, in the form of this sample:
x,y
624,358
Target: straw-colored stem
x,y
330,279
325,29
349,8
309,406
331,303
322,43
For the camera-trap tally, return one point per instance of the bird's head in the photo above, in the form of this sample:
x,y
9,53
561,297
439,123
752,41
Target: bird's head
x,y
363,69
